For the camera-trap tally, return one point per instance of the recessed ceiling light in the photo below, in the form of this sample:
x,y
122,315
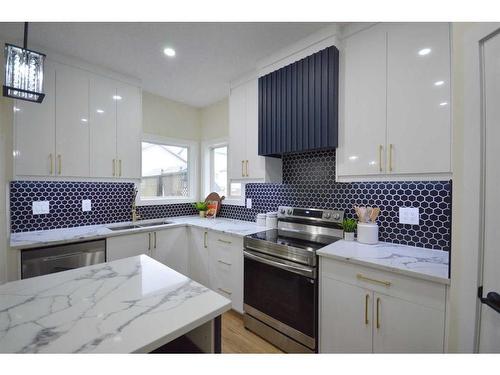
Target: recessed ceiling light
x,y
443,104
424,51
84,120
438,83
170,52
100,111
117,97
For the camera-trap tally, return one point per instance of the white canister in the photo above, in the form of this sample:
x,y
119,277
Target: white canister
x,y
272,220
368,233
261,220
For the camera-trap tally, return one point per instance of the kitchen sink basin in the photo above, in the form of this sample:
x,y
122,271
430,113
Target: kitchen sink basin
x,y
154,224
124,227
139,226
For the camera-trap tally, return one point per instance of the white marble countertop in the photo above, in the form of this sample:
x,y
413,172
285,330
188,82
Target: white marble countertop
x,y
26,240
129,305
413,261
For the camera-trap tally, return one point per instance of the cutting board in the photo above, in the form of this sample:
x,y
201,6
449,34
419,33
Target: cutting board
x,y
217,198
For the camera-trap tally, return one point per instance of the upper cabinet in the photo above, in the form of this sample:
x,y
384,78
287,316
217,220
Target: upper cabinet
x,y
395,106
244,161
298,105
87,126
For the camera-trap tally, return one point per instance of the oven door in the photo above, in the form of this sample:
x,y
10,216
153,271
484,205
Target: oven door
x,y
282,294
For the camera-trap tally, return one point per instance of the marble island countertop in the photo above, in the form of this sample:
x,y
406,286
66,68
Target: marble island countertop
x,y
413,261
130,305
26,240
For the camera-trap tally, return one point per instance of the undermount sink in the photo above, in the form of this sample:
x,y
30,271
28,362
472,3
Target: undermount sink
x,y
145,225
138,226
124,227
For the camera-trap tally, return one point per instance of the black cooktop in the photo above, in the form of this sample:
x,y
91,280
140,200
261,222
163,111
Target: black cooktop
x,y
280,237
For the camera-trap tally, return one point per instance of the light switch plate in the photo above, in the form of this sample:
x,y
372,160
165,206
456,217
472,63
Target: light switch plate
x,y
249,202
40,207
86,205
409,215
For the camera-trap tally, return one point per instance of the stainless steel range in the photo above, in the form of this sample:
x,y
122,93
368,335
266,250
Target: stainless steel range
x,y
281,277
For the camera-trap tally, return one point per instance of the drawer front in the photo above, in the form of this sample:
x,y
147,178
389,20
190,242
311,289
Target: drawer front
x,y
423,292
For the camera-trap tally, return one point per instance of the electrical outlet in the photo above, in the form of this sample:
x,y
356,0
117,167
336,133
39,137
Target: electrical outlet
x,y
249,202
40,207
86,205
409,215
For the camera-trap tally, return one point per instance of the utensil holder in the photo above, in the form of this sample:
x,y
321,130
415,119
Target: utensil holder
x,y
368,233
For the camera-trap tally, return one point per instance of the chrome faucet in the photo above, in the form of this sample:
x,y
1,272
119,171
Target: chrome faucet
x,y
135,216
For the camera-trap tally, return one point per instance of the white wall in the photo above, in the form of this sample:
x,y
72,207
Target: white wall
x,y
215,121
161,116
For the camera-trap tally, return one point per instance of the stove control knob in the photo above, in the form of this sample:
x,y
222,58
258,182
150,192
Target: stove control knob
x,y
282,211
327,215
290,211
336,216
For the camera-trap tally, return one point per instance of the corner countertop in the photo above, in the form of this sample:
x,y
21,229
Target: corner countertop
x,y
131,305
26,240
409,260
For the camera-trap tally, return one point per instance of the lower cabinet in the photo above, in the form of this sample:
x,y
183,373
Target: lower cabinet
x,y
370,311
130,245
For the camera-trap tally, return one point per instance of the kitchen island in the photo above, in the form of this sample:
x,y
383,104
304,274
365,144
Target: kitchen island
x,y
131,305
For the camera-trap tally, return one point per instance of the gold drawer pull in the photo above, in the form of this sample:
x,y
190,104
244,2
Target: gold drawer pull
x,y
205,245
367,298
378,313
370,280
225,291
380,149
120,167
390,157
114,167
224,241
226,263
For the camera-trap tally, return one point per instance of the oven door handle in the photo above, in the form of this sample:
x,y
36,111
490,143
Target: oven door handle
x,y
304,271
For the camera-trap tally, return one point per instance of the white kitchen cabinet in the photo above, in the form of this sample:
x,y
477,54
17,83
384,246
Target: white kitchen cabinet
x,y
129,245
418,111
347,315
72,122
244,161
368,310
362,139
226,267
198,255
170,247
34,129
396,107
102,127
128,130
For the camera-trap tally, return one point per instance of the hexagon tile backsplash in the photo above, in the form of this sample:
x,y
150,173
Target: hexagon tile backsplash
x,y
308,181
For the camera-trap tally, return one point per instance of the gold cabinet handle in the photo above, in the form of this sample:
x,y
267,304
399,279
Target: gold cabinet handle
x,y
59,161
205,239
154,234
223,262
390,157
243,168
114,167
246,168
370,280
224,241
149,241
120,167
380,150
378,313
51,163
225,291
367,298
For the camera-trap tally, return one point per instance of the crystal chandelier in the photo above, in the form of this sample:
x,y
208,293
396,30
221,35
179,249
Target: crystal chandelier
x,y
23,72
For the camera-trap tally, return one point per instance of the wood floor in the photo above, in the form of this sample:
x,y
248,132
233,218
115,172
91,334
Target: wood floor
x,y
237,339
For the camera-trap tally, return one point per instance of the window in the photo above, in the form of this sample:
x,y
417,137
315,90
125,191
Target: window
x,y
218,173
168,168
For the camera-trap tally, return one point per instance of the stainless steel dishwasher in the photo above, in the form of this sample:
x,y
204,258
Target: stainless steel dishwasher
x,y
42,261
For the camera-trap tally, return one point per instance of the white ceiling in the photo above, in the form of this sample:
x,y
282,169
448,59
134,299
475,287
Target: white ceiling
x,y
209,55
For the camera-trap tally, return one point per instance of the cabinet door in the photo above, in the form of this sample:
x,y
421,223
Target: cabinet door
x,y
237,132
102,127
418,97
170,248
255,165
361,148
120,247
129,130
72,122
198,256
35,131
404,327
346,317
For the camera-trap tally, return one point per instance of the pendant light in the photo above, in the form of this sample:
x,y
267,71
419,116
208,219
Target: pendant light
x,y
23,72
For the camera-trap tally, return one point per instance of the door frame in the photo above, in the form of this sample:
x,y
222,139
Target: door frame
x,y
468,184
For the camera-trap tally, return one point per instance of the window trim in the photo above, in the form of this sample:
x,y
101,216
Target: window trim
x,y
206,174
193,150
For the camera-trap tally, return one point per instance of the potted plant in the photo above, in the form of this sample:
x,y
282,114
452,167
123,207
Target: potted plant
x,y
202,208
349,226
